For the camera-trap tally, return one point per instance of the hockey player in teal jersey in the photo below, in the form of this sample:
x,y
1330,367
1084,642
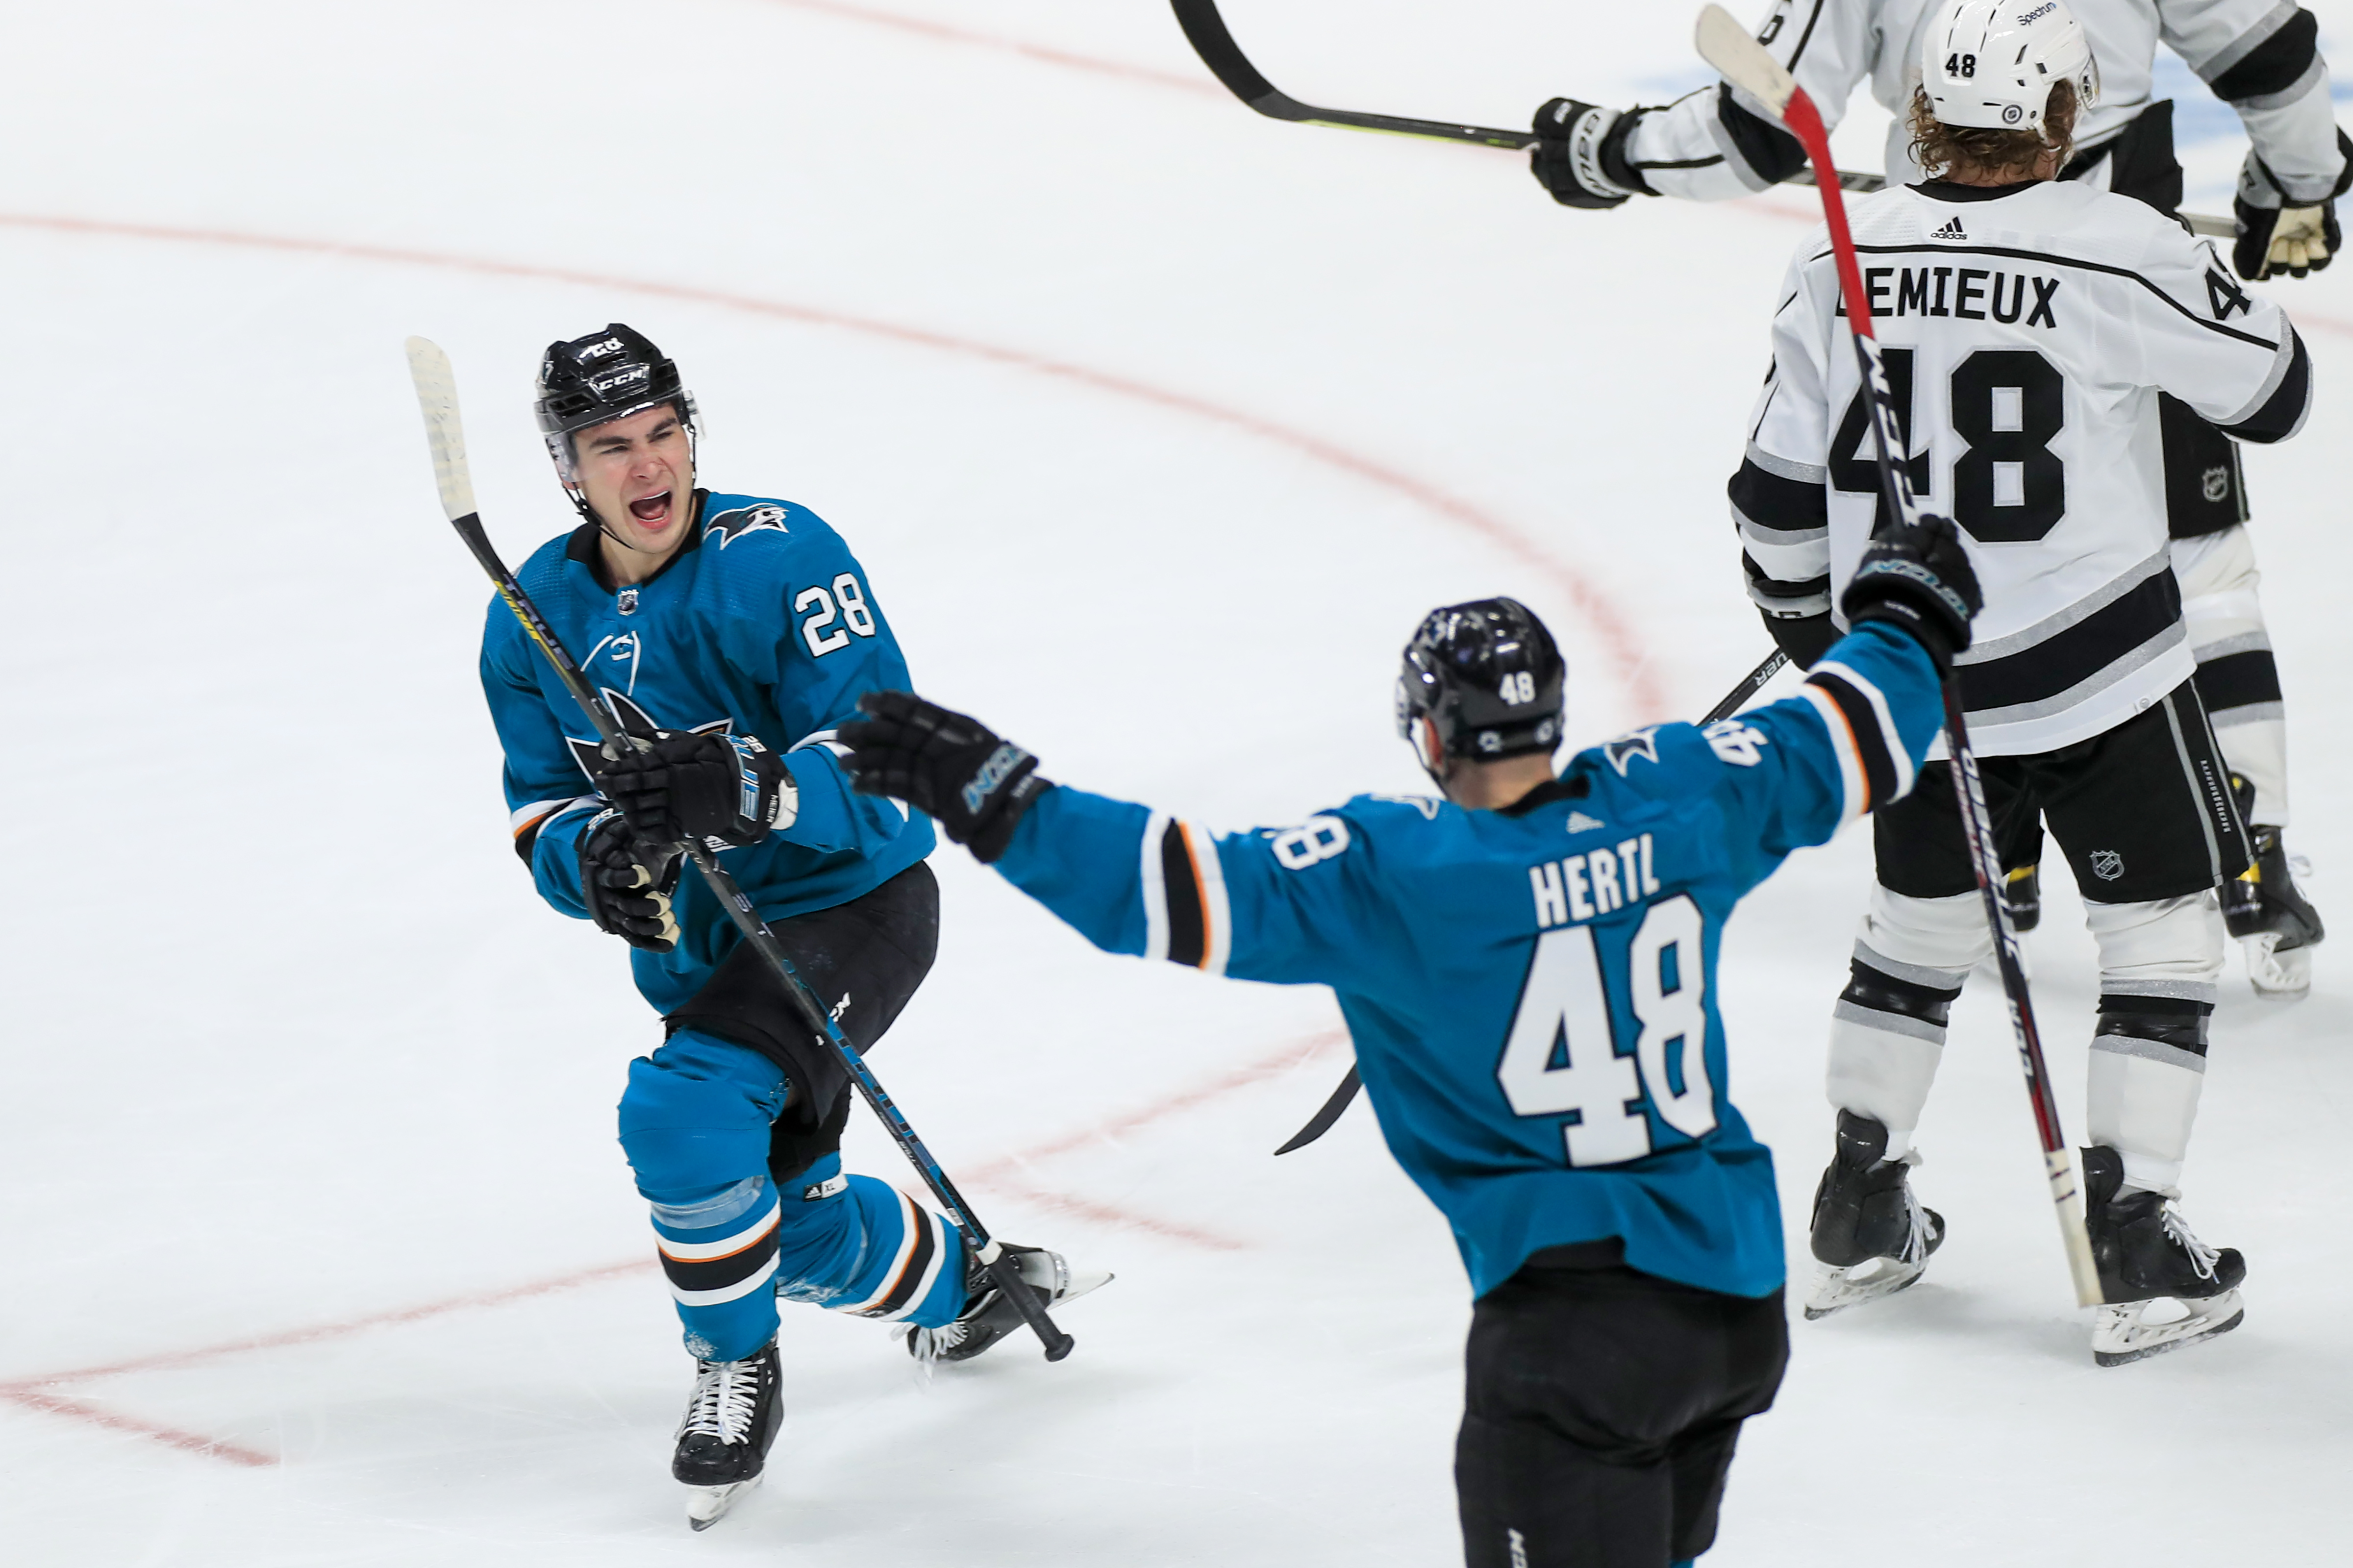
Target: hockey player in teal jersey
x,y
731,634
1527,969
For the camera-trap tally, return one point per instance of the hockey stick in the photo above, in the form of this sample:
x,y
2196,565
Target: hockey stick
x,y
1211,39
1724,44
1333,1108
436,396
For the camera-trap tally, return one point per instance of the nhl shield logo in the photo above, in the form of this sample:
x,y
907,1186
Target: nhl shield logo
x,y
2215,483
2107,865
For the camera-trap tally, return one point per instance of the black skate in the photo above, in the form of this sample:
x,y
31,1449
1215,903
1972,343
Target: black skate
x,y
731,1423
1871,1237
988,1315
2275,924
2146,1255
2021,894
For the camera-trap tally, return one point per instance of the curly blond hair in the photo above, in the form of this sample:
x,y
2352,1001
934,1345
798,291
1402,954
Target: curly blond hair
x,y
1973,150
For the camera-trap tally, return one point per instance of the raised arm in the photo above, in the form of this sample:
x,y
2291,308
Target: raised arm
x,y
1714,144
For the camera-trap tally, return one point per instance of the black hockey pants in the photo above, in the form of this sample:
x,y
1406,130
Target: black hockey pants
x,y
1600,1411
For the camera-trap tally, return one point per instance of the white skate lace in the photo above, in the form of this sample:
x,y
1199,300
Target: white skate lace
x,y
1915,1235
2203,1258
727,1397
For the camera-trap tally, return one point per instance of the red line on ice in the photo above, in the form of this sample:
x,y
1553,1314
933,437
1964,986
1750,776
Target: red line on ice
x,y
1601,615
35,1393
192,1442
1006,45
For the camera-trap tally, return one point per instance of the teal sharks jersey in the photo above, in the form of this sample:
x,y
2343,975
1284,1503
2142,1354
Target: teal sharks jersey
x,y
765,620
1531,992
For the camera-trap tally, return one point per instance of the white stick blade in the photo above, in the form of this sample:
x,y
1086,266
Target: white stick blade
x,y
437,397
1736,55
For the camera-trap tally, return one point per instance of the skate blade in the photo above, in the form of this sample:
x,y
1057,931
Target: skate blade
x,y
705,1506
1835,1290
2119,1335
1085,1282
2277,975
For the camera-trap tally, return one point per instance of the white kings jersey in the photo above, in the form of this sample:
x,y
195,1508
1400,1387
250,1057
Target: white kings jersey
x,y
2259,56
2027,329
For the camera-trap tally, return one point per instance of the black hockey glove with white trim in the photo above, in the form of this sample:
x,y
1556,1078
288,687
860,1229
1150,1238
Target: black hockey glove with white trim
x,y
952,769
628,885
1580,154
2278,236
723,789
1920,579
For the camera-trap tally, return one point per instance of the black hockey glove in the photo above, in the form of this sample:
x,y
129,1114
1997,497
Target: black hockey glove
x,y
1580,154
725,789
1920,579
2278,236
627,885
952,769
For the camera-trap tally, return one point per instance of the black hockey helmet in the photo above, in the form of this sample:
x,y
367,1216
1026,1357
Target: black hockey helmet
x,y
1482,680
604,376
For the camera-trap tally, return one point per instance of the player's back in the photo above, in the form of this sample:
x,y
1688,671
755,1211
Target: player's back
x,y
1535,1015
2028,330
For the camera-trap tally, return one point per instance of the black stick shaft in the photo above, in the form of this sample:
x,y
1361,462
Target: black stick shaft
x,y
764,941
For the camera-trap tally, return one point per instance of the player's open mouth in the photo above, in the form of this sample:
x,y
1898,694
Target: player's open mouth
x,y
653,512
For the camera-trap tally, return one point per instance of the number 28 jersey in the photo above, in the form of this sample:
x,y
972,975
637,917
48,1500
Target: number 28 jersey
x,y
2027,331
1531,993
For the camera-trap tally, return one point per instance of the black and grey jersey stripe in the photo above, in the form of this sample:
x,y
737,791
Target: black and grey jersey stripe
x,y
2070,656
2278,411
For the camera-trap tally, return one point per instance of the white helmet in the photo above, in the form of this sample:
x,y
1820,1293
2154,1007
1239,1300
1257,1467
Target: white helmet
x,y
1992,63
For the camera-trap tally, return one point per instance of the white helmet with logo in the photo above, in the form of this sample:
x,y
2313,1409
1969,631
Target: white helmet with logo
x,y
1992,63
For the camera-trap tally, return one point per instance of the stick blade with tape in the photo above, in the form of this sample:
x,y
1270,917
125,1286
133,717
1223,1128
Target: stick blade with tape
x,y
436,398
1741,60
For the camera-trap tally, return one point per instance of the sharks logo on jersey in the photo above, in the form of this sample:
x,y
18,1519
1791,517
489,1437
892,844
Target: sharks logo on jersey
x,y
634,721
1622,752
731,526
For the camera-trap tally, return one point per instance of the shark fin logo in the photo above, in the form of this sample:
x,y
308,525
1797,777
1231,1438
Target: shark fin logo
x,y
636,723
731,526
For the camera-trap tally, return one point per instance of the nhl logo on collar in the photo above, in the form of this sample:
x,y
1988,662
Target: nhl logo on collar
x,y
731,526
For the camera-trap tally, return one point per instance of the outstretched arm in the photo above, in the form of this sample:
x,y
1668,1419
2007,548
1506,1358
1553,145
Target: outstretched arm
x,y
1286,904
1712,145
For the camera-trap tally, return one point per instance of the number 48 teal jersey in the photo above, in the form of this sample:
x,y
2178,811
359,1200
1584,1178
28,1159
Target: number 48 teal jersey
x,y
1531,992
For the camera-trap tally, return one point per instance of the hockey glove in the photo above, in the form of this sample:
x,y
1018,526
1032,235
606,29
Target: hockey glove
x,y
1919,579
1580,154
724,789
2276,236
627,885
952,769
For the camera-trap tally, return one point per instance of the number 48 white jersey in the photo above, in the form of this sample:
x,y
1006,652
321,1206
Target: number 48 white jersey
x,y
2028,330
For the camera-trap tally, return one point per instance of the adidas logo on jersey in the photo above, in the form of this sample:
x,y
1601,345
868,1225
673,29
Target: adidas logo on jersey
x,y
1580,823
1952,230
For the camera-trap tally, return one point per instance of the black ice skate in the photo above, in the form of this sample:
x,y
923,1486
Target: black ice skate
x,y
2022,895
2276,926
988,1315
731,1423
2147,1257
1871,1237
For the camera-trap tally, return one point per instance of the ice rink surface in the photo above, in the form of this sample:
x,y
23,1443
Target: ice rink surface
x,y
1158,425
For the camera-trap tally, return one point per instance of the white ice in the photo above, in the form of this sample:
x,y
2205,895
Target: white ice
x,y
1158,423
